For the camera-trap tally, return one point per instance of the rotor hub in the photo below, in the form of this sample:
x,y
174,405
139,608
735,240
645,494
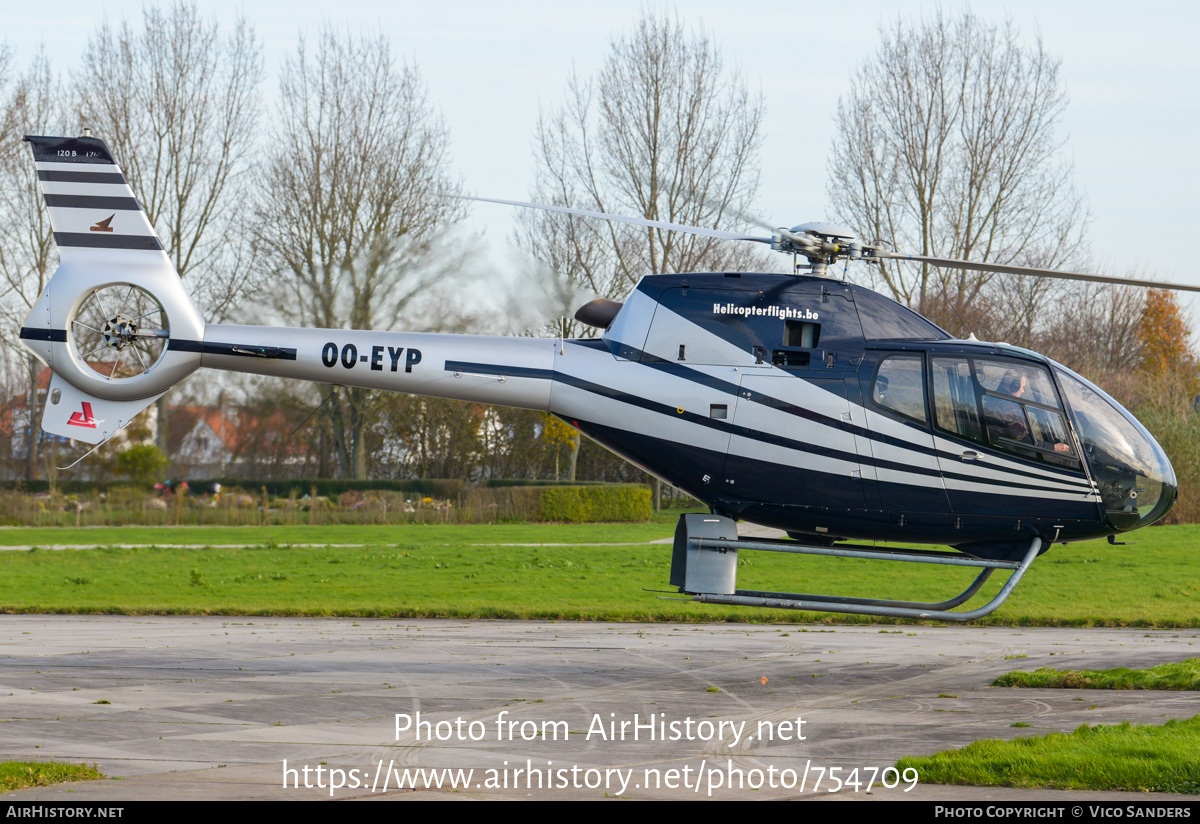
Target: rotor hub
x,y
821,244
120,332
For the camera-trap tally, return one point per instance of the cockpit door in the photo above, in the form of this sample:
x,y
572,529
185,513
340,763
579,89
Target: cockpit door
x,y
1003,441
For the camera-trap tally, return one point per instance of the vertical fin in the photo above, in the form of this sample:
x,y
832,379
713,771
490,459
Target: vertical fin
x,y
105,241
90,203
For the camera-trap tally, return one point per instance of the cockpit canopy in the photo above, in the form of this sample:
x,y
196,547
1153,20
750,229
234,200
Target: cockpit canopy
x,y
1134,477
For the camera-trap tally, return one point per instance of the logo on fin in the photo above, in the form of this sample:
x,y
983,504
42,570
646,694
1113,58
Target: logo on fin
x,y
84,418
103,226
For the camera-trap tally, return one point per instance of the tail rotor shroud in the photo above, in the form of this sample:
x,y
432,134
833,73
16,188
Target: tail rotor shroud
x,y
119,331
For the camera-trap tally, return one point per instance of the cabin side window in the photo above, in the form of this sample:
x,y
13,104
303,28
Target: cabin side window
x,y
900,386
955,407
1007,405
1026,381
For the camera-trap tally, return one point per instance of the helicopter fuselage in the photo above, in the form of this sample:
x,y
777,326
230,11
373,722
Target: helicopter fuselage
x,y
806,404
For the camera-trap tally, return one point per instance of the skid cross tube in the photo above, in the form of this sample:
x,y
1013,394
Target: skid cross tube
x,y
869,606
957,600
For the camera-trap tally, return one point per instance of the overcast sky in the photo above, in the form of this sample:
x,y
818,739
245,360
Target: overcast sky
x,y
1131,70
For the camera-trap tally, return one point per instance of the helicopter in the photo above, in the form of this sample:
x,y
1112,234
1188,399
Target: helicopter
x,y
799,402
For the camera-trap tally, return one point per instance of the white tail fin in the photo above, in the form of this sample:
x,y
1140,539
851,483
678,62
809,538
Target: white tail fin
x,y
114,323
91,205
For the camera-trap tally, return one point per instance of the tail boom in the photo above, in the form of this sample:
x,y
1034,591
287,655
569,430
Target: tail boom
x,y
497,370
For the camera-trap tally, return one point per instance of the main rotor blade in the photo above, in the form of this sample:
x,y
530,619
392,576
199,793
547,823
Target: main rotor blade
x,y
951,263
637,221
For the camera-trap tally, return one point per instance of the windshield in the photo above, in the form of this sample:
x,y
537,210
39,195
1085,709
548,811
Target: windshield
x,y
1136,482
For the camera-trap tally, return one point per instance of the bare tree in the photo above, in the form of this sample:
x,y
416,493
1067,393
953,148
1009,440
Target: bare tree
x,y
7,103
351,194
28,254
181,122
177,102
947,145
662,131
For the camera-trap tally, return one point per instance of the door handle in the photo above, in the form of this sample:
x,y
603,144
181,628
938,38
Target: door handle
x,y
969,455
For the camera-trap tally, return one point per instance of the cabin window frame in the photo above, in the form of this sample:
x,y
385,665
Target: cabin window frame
x,y
987,434
893,410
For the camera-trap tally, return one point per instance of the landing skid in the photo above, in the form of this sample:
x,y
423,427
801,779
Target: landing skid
x,y
704,565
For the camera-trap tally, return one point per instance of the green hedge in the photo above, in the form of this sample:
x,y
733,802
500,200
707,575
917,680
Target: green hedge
x,y
579,503
500,483
330,487
584,504
67,487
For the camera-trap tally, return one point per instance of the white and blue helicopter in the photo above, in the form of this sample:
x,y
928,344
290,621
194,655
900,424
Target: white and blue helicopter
x,y
804,403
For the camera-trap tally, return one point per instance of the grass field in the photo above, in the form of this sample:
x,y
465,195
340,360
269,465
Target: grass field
x,y
19,775
1181,676
482,571
1146,758
378,535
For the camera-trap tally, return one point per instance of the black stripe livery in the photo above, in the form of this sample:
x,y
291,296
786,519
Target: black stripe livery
x,y
1036,480
103,241
69,150
81,177
237,349
52,335
1029,481
120,204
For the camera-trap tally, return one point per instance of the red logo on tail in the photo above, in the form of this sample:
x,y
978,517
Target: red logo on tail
x,y
84,418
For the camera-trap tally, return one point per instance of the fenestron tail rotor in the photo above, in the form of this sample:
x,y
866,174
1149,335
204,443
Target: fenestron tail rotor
x,y
119,332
